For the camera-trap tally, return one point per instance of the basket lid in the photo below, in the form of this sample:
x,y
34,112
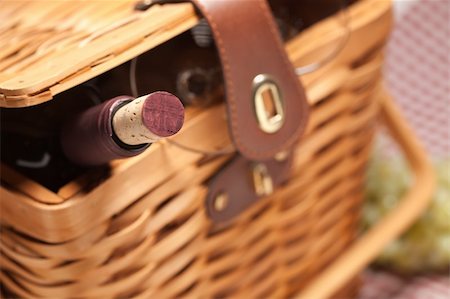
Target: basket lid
x,y
52,46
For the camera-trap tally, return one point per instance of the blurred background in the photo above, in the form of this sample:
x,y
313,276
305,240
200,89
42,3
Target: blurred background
x,y
417,73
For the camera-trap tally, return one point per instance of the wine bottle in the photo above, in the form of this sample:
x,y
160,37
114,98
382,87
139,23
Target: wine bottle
x,y
121,127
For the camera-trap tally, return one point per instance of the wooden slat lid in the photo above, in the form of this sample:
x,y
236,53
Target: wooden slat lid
x,y
51,46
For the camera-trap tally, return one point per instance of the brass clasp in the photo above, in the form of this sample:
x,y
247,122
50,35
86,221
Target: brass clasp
x,y
268,104
262,180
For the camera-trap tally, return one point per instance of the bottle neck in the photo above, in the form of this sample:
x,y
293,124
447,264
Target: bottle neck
x,y
115,137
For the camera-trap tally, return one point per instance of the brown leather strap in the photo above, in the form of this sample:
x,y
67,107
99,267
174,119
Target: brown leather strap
x,y
236,182
249,45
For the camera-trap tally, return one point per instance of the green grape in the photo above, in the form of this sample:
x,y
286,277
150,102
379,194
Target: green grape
x,y
426,245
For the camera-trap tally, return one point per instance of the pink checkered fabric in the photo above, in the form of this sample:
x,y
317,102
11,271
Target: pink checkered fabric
x,y
382,285
418,69
433,287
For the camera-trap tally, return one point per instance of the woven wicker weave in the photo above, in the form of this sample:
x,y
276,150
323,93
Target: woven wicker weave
x,y
152,238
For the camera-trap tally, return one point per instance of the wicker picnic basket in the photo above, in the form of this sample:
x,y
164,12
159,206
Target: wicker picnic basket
x,y
114,236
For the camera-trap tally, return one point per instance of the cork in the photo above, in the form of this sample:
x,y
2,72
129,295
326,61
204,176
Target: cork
x,y
148,118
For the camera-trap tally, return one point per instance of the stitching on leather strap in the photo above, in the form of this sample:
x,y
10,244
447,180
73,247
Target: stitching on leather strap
x,y
288,65
226,67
